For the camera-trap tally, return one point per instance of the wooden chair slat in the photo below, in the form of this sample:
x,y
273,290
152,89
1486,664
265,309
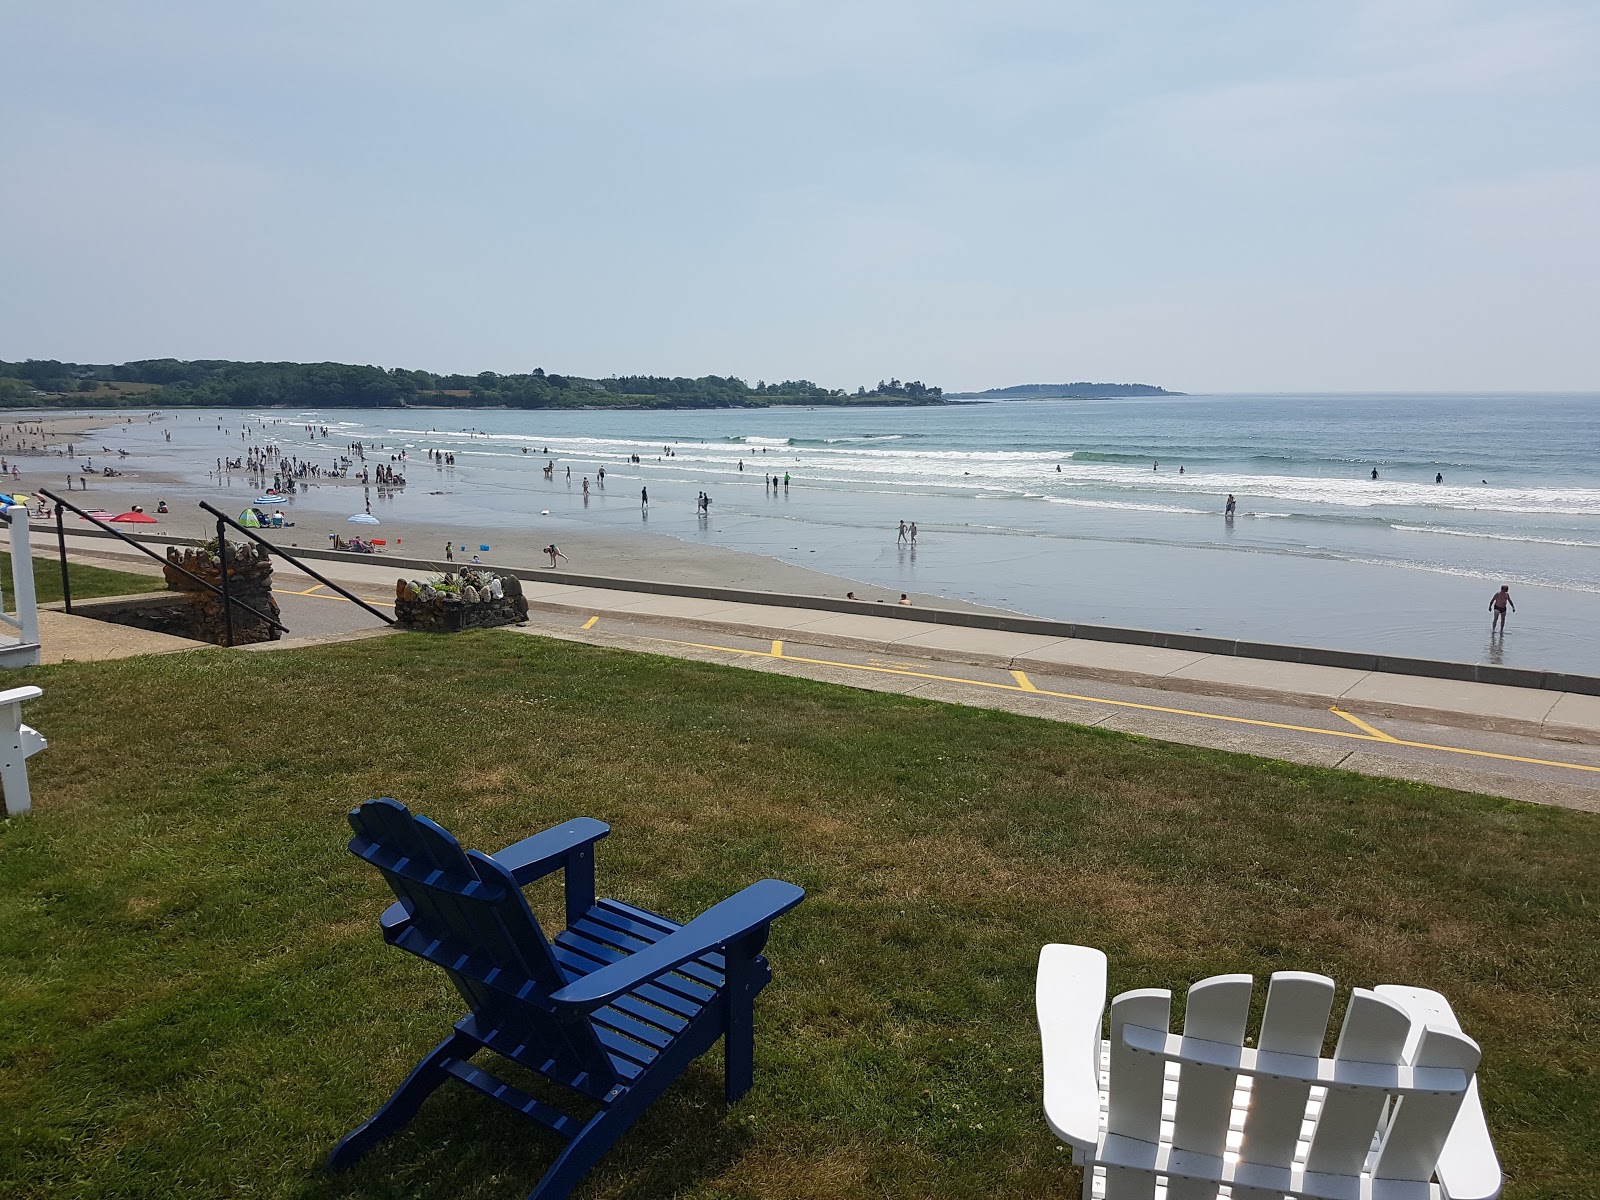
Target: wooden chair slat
x,y
1422,1121
1216,1011
1134,1104
1374,1031
1295,1022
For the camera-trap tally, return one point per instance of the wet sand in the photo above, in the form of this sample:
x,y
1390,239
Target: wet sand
x,y
588,551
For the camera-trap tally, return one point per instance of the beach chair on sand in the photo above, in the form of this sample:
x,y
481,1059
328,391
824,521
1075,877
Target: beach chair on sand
x,y
18,743
1394,1110
612,1010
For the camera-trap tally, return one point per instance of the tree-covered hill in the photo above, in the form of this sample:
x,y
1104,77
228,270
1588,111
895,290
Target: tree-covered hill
x,y
219,383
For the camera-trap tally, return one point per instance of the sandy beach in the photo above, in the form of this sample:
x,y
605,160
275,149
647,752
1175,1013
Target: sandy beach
x,y
607,552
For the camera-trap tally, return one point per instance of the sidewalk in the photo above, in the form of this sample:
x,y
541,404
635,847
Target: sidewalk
x,y
1560,715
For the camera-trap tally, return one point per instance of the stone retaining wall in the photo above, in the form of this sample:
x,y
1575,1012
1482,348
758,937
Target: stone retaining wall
x,y
249,582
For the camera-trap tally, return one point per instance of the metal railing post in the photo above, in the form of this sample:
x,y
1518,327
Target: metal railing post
x,y
61,542
227,599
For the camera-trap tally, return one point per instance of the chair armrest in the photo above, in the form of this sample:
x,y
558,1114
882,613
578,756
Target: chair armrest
x,y
750,910
1468,1168
1070,996
545,853
18,694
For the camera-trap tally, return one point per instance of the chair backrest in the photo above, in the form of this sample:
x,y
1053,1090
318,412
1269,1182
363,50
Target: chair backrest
x,y
468,916
1370,1108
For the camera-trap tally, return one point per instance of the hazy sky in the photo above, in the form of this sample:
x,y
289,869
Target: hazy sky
x,y
1284,194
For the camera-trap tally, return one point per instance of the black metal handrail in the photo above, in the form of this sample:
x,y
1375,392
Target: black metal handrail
x,y
223,517
66,584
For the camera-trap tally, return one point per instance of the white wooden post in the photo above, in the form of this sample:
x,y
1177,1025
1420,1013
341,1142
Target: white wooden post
x,y
22,576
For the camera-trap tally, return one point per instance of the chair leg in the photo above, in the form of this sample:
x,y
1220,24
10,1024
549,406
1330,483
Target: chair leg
x,y
399,1108
602,1132
14,772
739,1044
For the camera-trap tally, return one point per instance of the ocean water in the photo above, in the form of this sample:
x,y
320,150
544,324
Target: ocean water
x,y
1108,511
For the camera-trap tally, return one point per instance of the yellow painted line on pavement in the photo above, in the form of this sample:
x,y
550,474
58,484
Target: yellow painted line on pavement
x,y
592,622
1360,724
777,648
312,590
1023,681
1349,735
326,596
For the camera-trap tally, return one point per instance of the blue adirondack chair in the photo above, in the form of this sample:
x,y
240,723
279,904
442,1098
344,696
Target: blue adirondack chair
x,y
613,1009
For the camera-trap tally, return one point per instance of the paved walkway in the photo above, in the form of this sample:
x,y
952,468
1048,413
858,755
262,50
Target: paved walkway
x,y
64,638
1470,705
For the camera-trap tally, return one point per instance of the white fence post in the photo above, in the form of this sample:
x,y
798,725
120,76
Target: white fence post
x,y
22,576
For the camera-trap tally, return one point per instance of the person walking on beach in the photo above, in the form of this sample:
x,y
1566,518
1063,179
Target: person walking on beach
x,y
902,536
1497,605
449,552
1227,510
644,499
913,532
586,485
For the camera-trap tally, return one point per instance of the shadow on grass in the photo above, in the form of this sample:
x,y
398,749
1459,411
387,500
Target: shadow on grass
x,y
464,1145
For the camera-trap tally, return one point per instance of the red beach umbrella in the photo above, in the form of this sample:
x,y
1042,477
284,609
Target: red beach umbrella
x,y
133,518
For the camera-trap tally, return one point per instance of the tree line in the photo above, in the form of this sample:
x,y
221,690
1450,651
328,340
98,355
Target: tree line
x,y
221,383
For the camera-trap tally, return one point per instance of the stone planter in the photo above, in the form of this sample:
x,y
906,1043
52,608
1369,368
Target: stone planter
x,y
249,581
471,600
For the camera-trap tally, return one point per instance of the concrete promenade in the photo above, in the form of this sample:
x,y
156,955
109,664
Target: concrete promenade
x,y
1535,712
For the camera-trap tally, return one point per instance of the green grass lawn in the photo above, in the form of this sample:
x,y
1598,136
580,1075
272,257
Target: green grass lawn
x,y
195,1000
87,582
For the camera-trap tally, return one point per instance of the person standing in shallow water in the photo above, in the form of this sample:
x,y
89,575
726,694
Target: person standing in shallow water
x,y
1497,605
1228,508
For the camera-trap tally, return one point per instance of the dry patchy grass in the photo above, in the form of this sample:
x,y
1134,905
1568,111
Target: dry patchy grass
x,y
194,999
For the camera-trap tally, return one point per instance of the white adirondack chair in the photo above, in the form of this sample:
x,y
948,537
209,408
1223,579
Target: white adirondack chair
x,y
1150,1113
18,743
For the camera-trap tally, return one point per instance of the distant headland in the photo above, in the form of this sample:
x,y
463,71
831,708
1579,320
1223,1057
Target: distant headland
x,y
220,383
1057,391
